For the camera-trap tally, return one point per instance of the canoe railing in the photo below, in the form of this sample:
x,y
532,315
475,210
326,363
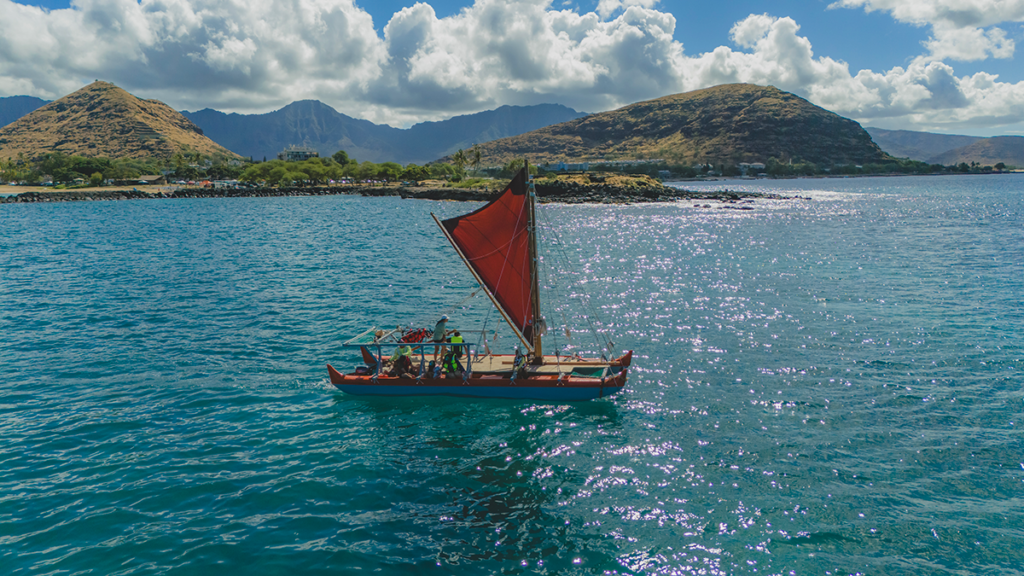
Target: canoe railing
x,y
376,343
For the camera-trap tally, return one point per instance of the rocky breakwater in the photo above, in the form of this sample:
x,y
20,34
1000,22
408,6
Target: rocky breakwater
x,y
76,196
454,194
595,191
264,192
180,193
598,192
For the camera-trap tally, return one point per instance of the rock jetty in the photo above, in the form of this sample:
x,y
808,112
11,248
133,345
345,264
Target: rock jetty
x,y
599,193
561,192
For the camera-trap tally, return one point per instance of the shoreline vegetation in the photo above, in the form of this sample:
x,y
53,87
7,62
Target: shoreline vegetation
x,y
76,178
577,189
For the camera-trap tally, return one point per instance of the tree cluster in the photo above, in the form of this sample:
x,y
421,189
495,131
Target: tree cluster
x,y
777,168
64,169
340,168
512,167
193,166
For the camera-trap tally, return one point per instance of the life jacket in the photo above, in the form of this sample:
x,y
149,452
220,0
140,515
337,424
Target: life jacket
x,y
451,364
519,362
457,349
414,335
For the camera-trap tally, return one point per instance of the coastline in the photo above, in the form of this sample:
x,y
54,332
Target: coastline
x,y
567,194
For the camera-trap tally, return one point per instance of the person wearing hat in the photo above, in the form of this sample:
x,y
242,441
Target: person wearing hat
x,y
440,334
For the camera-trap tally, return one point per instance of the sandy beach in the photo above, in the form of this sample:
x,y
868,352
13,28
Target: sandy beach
x,y
8,190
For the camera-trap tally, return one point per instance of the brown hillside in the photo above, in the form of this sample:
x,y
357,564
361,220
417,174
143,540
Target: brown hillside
x,y
730,124
102,120
988,152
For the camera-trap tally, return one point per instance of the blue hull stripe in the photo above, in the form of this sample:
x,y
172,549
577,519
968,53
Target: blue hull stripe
x,y
511,392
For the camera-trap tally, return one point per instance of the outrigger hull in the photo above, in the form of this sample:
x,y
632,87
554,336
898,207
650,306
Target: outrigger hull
x,y
487,386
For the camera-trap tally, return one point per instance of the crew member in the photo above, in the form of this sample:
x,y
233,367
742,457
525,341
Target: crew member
x,y
456,339
439,335
401,363
452,367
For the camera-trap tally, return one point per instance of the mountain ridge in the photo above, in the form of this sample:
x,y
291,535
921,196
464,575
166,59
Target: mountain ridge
x,y
724,128
728,124
303,123
949,149
920,146
1008,150
315,124
13,108
103,120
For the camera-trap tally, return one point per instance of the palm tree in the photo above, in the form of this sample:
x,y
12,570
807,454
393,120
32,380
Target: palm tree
x,y
6,170
460,160
475,157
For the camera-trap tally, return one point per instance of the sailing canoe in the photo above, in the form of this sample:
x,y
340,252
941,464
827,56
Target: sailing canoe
x,y
498,243
555,380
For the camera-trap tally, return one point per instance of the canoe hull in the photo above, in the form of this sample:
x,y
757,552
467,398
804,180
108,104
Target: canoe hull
x,y
526,388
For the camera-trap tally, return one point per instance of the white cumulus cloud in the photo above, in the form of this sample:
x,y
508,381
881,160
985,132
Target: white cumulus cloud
x,y
965,30
496,52
258,56
608,7
194,53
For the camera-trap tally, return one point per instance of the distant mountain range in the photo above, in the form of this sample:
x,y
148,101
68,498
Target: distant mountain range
x,y
733,123
921,146
102,120
728,124
949,149
316,125
987,151
13,108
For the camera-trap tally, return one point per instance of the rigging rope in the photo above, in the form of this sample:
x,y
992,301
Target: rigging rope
x,y
591,313
449,310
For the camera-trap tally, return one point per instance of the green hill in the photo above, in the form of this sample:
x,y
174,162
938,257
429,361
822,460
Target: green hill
x,y
102,120
725,124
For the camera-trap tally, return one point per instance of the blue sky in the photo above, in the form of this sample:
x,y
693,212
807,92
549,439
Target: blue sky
x,y
937,65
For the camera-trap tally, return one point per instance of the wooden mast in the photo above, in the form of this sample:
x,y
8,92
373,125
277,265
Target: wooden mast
x,y
531,227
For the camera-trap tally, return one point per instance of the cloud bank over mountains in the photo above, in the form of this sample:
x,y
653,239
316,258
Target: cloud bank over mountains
x,y
258,56
965,30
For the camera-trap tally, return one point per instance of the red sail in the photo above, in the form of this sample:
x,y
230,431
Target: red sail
x,y
495,242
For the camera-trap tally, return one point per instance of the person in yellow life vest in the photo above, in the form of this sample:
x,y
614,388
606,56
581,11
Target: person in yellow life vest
x,y
456,339
451,365
401,363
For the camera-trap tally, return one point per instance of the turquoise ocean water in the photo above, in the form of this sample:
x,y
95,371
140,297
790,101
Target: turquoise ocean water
x,y
821,386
